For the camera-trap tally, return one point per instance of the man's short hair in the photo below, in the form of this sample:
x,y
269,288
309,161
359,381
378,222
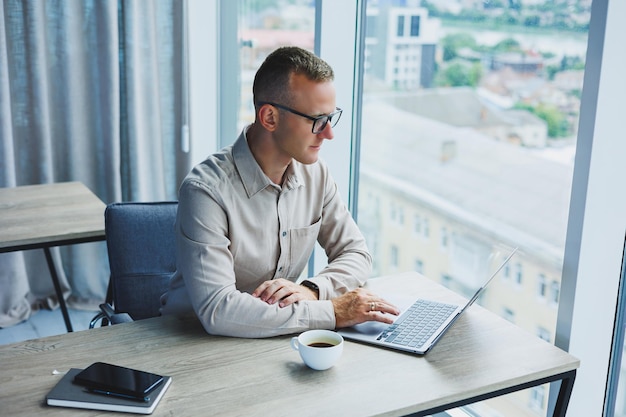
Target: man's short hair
x,y
271,82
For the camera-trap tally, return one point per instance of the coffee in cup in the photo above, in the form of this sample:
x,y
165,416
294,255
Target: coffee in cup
x,y
319,349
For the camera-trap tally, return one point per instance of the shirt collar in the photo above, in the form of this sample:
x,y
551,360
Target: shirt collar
x,y
292,176
252,176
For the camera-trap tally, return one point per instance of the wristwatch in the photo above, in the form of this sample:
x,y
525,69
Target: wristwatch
x,y
312,286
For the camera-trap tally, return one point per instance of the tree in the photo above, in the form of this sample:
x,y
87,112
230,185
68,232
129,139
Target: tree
x,y
452,43
555,119
507,45
459,74
557,124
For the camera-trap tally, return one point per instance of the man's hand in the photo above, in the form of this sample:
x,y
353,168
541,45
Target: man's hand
x,y
361,305
283,292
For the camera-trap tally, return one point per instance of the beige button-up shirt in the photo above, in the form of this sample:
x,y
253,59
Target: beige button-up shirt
x,y
237,229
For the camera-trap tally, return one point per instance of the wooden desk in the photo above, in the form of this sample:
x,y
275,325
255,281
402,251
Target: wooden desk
x,y
482,356
47,215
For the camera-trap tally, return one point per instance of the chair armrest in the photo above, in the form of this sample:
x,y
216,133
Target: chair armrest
x,y
114,317
107,313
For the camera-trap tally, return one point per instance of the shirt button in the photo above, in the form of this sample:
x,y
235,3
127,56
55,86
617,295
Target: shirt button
x,y
284,234
280,269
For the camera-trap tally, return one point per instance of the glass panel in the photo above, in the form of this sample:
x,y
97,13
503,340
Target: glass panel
x,y
620,391
615,401
264,25
470,117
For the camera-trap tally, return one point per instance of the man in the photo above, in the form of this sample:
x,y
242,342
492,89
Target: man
x,y
249,217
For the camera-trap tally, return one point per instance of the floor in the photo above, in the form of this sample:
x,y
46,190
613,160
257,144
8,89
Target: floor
x,y
45,323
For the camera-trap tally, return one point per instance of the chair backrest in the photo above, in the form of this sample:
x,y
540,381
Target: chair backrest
x,y
142,256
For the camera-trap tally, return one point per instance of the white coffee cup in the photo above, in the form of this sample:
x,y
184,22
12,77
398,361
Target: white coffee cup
x,y
319,349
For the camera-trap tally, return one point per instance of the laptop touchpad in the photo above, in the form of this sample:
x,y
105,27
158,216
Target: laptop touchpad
x,y
371,327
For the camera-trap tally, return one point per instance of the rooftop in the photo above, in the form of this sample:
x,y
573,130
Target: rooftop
x,y
510,192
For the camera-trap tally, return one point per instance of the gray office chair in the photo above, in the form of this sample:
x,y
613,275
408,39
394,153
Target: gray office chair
x,y
141,249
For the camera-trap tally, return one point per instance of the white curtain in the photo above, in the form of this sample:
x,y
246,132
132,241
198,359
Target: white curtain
x,y
90,91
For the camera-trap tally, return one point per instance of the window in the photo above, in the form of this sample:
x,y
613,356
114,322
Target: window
x,y
508,314
396,213
506,272
518,274
394,258
370,26
589,256
446,280
544,334
417,225
421,226
261,28
541,286
471,144
555,288
537,398
400,28
419,266
415,26
444,238
616,398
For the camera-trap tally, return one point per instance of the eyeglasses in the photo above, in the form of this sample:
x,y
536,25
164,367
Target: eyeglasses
x,y
319,122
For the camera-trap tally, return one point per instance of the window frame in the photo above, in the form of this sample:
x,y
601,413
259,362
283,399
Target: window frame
x,y
597,218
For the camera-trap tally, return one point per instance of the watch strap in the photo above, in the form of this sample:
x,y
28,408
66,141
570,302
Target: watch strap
x,y
311,285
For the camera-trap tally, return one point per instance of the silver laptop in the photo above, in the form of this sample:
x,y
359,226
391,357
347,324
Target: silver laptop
x,y
419,327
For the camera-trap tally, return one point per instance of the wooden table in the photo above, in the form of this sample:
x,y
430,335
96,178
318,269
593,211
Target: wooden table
x,y
47,215
480,357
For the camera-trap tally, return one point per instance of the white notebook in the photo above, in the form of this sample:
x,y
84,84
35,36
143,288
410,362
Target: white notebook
x,y
67,394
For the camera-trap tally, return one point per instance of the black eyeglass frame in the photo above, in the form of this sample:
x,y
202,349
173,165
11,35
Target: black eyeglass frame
x,y
328,117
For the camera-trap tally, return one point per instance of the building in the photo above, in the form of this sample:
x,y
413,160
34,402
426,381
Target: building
x,y
406,37
464,107
430,203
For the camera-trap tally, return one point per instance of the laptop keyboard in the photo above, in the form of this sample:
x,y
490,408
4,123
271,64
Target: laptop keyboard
x,y
416,325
